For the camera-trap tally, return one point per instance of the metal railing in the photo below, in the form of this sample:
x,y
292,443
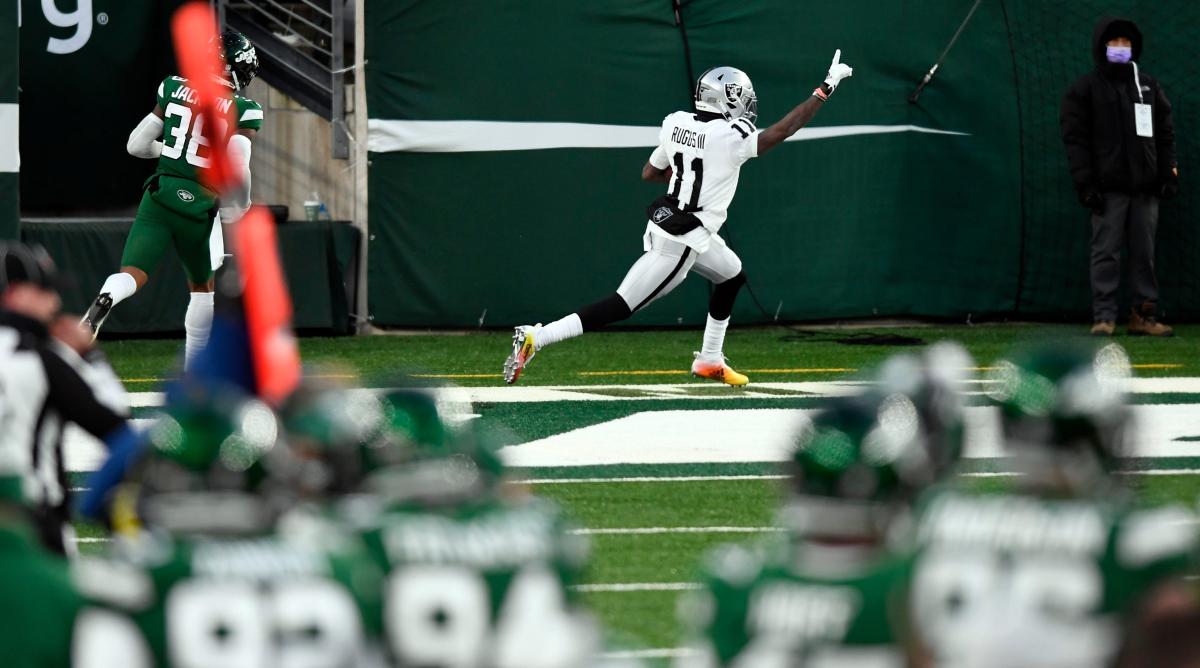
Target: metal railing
x,y
301,48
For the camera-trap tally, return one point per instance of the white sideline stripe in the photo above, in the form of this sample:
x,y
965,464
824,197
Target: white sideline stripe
x,y
636,586
92,540
683,478
657,653
468,136
662,530
10,152
652,391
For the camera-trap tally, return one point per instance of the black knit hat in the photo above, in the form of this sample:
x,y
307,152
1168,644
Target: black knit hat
x,y
21,263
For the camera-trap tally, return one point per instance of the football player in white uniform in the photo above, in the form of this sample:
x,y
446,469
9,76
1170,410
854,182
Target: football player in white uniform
x,y
699,156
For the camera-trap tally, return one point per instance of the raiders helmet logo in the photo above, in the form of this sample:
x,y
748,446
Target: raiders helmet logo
x,y
185,195
660,214
733,91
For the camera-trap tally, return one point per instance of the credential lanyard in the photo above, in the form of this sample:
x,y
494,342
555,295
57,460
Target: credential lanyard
x,y
1137,82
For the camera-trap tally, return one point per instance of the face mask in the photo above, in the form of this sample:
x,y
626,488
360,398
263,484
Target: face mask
x,y
1119,54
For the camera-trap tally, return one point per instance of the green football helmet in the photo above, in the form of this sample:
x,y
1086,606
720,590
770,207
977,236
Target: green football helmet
x,y
933,380
1063,411
443,464
333,434
239,59
398,446
855,468
205,468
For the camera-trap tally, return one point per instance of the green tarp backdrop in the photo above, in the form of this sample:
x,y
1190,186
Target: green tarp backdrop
x,y
319,265
959,205
9,115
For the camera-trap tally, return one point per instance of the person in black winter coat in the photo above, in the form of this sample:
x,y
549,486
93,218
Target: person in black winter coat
x,y
1120,141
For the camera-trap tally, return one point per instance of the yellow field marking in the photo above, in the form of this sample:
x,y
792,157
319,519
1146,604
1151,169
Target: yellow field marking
x,y
830,370
457,375
676,372
1133,366
638,372
341,376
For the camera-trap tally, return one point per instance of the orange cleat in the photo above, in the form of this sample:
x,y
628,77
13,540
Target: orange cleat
x,y
717,370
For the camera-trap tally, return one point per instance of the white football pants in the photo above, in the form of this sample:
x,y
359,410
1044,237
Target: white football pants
x,y
662,268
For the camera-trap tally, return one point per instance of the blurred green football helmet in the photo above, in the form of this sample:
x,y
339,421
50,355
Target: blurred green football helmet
x,y
443,464
398,446
856,466
205,467
332,433
933,380
1063,410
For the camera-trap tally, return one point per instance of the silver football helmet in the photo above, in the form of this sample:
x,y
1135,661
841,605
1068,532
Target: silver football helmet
x,y
727,91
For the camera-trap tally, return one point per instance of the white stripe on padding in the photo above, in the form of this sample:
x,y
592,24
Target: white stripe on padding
x,y
468,136
10,153
252,115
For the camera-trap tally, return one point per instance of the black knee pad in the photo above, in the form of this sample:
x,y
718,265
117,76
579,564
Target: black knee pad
x,y
720,305
604,312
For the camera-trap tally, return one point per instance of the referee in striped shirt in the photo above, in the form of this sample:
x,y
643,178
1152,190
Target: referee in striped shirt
x,y
39,390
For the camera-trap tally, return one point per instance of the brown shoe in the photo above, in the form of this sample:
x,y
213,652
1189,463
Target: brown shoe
x,y
1142,322
1104,328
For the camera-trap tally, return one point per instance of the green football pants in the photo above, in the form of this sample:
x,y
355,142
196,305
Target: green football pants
x,y
157,227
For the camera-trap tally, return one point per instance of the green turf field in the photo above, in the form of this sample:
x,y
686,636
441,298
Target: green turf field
x,y
650,522
768,353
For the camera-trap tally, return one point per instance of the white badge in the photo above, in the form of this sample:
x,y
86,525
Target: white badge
x,y
1143,120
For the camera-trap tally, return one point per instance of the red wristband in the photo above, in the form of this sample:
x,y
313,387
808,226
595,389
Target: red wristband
x,y
820,94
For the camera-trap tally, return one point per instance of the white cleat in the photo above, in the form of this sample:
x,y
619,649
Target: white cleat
x,y
523,350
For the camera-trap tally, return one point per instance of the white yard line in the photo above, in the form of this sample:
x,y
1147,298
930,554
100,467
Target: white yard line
x,y
617,531
683,478
658,653
747,434
626,587
1151,472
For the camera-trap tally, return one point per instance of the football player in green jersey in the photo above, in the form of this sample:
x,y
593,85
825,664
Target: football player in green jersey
x,y
1049,572
212,579
176,209
38,596
830,590
476,578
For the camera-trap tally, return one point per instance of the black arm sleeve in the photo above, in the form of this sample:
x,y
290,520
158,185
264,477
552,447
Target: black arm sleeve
x,y
1075,120
74,399
1164,135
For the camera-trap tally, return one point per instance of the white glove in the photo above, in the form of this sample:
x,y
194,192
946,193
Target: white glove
x,y
233,212
837,71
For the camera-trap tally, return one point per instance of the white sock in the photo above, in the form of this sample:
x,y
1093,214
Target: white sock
x,y
197,323
714,339
559,330
119,286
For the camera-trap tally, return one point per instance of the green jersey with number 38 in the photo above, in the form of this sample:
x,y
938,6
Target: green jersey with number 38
x,y
263,602
797,604
1016,580
481,585
186,138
